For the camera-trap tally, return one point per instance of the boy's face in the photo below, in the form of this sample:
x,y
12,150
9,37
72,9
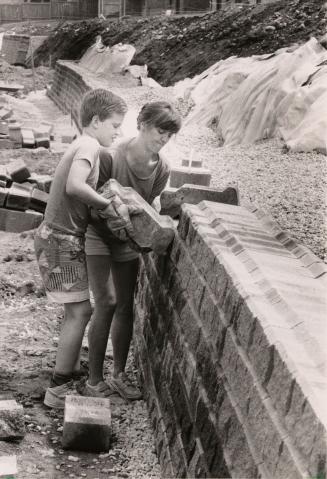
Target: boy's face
x,y
155,137
109,129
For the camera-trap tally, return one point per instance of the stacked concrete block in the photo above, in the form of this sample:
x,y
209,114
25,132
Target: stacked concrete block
x,y
171,199
23,198
182,175
152,232
229,344
87,424
12,425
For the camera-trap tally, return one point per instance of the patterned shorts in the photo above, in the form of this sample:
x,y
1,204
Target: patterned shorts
x,y
62,263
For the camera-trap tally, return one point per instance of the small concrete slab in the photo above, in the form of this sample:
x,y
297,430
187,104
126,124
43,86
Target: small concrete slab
x,y
12,424
18,171
39,200
18,221
171,199
19,196
10,86
87,424
182,175
28,140
153,232
8,467
42,182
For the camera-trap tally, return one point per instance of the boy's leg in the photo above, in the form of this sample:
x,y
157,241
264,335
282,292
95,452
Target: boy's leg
x,y
99,267
124,277
76,317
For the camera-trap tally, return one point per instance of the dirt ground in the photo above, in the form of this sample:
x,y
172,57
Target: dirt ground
x,y
174,48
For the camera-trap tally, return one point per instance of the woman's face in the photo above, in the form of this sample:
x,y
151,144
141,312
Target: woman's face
x,y
155,138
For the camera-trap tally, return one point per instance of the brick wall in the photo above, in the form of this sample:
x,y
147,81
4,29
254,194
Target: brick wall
x,y
229,340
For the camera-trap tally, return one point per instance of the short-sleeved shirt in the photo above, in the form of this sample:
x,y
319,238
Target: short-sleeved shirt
x,y
64,212
114,165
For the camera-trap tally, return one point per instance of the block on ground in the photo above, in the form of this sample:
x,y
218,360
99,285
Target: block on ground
x,y
42,137
18,221
12,424
8,467
171,199
3,196
28,140
152,232
39,200
18,171
19,196
42,182
182,175
87,424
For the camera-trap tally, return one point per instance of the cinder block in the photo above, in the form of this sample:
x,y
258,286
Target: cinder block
x,y
19,196
192,163
171,199
180,176
8,467
12,424
18,171
152,231
87,424
3,196
42,182
39,200
42,137
28,140
18,221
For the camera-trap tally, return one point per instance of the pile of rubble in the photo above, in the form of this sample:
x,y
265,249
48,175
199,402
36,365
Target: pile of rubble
x,y
23,197
174,48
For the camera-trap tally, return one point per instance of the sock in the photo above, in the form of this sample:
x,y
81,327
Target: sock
x,y
59,379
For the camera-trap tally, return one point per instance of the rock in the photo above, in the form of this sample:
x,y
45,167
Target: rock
x,y
152,231
12,424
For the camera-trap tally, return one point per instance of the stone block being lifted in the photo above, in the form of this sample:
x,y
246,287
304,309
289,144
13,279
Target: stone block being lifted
x,y
172,199
182,175
87,424
153,232
12,424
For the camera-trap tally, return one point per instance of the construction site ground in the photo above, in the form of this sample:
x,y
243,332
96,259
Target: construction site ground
x,y
289,186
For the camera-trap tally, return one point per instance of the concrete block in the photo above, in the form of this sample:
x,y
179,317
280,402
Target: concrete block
x,y
182,175
18,221
28,140
39,200
18,171
42,137
152,231
12,424
4,176
192,163
19,196
3,196
42,182
8,467
171,199
87,424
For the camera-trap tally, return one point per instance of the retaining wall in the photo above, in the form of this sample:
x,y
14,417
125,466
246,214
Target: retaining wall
x,y
229,340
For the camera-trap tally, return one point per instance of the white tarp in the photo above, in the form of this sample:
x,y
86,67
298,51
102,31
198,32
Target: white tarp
x,y
105,60
278,95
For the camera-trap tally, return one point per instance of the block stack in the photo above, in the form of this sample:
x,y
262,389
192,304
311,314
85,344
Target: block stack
x,y
23,197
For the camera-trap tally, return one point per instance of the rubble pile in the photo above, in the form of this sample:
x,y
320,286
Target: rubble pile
x,y
174,48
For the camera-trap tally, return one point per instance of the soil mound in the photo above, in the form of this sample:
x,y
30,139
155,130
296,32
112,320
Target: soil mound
x,y
178,47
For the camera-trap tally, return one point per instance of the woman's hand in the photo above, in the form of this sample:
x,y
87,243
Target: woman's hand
x,y
117,215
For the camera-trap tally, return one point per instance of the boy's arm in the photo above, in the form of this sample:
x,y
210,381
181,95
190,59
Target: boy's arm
x,y
112,209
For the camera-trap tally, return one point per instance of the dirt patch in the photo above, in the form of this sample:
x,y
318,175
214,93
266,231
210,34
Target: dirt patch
x,y
180,47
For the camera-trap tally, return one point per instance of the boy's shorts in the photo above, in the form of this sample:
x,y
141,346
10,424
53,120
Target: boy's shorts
x,y
118,250
62,263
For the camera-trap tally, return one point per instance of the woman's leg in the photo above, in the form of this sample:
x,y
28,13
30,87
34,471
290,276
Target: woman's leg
x,y
124,277
98,267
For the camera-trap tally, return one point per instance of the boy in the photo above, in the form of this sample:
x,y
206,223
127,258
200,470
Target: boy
x,y
59,240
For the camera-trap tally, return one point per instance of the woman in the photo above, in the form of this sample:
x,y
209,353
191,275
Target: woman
x,y
135,162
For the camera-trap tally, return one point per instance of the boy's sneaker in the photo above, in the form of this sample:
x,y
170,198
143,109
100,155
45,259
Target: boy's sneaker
x,y
123,386
55,396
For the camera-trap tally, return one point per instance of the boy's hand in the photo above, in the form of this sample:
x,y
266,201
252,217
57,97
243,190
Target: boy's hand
x,y
117,216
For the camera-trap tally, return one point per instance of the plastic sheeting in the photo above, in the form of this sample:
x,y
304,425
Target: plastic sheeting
x,y
278,95
106,60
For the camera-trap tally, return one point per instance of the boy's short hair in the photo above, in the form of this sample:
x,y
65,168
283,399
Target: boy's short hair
x,y
160,114
102,103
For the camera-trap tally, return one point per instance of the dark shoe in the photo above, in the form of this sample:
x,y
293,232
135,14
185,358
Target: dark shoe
x,y
55,396
123,386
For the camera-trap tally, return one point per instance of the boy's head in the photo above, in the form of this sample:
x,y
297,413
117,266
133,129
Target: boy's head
x,y
157,122
160,115
102,112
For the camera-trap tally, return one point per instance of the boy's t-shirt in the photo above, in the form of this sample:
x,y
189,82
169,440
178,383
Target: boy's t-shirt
x,y
64,212
114,165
